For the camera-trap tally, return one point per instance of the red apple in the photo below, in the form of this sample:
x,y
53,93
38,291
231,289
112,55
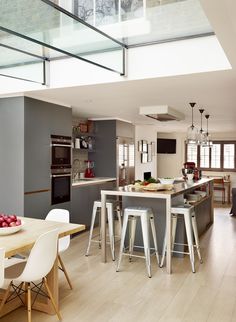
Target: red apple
x,y
18,222
4,224
13,217
12,224
9,220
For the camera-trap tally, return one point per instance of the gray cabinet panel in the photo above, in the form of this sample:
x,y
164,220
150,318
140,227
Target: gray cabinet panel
x,y
82,201
105,145
37,205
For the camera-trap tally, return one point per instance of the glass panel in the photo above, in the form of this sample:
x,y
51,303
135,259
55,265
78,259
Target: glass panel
x,y
229,150
125,155
48,26
204,157
121,155
20,65
131,155
215,156
192,153
143,21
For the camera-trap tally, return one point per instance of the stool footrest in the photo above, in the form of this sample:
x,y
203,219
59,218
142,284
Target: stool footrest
x,y
178,252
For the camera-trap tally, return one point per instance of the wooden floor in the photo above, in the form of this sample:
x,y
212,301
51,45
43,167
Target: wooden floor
x,y
102,295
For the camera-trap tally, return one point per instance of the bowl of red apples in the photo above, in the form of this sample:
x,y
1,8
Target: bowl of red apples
x,y
10,224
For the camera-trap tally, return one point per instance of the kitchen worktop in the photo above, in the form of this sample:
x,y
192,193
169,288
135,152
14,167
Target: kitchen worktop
x,y
91,181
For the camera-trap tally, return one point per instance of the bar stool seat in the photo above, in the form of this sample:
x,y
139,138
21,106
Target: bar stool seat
x,y
188,213
111,205
146,216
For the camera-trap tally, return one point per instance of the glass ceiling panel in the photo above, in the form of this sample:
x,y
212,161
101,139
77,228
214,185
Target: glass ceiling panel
x,y
22,66
39,21
139,22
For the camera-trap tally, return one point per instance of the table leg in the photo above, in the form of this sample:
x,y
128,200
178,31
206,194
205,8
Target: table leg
x,y
52,279
168,234
229,191
103,227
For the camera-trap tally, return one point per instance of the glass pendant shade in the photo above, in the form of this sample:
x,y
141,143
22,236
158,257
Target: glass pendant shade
x,y
192,132
192,135
207,142
202,137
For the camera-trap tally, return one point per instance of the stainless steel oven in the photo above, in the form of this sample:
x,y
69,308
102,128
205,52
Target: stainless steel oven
x,y
60,184
60,150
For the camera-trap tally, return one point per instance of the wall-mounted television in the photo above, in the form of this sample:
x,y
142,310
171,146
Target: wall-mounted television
x,y
166,146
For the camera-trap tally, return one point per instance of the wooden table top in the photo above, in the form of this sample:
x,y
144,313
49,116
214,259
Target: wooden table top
x,y
24,239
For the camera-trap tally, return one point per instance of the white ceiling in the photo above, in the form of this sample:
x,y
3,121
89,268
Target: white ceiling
x,y
213,91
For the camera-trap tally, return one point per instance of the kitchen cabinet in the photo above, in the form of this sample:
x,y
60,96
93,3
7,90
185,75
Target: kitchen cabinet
x,y
25,128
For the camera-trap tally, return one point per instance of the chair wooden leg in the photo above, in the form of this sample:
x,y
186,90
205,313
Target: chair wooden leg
x,y
29,302
5,297
64,271
52,299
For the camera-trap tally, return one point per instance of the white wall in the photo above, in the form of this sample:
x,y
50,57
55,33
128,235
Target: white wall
x,y
170,165
149,133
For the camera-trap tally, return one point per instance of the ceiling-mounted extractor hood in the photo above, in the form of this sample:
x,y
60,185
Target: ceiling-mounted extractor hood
x,y
162,113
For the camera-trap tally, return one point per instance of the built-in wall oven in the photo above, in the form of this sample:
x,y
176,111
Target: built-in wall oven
x,y
60,169
61,150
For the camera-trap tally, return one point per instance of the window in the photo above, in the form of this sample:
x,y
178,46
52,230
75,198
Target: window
x,y
221,157
215,156
204,157
192,153
229,156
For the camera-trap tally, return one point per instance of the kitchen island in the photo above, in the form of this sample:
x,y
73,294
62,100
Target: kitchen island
x,y
161,203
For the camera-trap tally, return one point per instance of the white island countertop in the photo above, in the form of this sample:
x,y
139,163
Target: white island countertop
x,y
91,181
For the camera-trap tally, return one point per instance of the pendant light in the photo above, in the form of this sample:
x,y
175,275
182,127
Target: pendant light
x,y
192,132
208,142
202,137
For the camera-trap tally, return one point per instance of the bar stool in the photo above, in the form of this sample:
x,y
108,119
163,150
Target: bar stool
x,y
110,205
191,228
146,215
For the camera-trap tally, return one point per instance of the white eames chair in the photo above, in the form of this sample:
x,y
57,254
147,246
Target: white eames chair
x,y
61,215
39,263
2,256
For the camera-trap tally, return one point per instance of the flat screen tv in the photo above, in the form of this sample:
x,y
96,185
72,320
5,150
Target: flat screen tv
x,y
166,146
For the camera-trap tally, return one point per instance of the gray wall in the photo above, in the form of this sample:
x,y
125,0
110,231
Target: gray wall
x,y
12,155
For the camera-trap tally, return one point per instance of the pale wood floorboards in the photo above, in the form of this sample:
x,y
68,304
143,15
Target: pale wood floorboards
x,y
102,295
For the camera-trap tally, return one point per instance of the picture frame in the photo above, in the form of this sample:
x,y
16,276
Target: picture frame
x,y
144,146
149,154
144,157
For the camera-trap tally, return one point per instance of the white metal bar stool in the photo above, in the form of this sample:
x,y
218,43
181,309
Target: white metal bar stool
x,y
146,215
110,204
191,229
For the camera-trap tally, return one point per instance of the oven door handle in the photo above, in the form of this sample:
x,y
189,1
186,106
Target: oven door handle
x,y
60,175
63,145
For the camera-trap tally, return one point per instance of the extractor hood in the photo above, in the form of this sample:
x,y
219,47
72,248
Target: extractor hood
x,y
162,113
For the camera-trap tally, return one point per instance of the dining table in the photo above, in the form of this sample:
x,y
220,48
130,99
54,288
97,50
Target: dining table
x,y
22,241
